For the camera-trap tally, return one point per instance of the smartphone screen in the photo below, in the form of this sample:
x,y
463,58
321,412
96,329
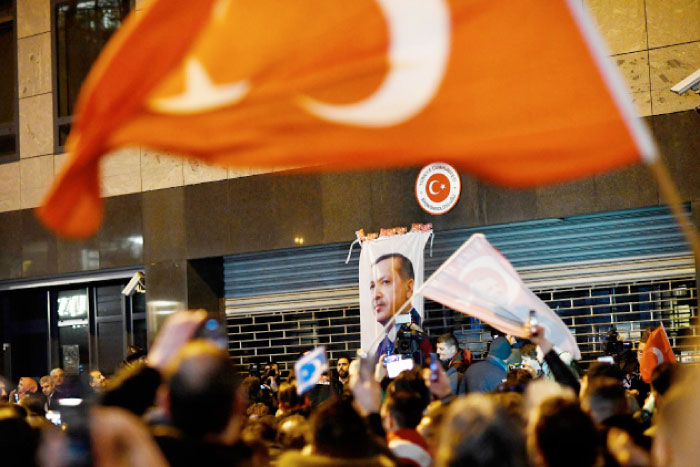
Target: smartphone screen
x,y
434,368
395,367
54,417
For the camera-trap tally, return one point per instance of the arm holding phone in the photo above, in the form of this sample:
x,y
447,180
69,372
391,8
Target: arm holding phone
x,y
561,371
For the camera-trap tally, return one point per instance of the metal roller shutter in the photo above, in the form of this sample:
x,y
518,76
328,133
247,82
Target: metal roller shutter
x,y
616,268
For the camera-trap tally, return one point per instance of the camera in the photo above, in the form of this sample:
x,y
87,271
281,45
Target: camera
x,y
614,346
691,82
407,340
136,284
254,369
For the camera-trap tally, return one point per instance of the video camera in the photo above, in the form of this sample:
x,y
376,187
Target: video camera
x,y
407,340
614,346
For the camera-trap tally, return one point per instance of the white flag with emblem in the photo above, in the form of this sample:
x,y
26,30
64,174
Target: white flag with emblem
x,y
477,280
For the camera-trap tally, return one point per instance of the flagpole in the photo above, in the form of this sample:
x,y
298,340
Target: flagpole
x,y
670,194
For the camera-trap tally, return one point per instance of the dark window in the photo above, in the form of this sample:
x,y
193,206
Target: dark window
x,y
8,82
81,29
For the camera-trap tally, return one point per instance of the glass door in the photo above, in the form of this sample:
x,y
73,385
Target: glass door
x,y
70,325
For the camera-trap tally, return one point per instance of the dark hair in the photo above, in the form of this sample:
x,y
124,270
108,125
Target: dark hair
x,y
664,376
344,355
516,381
18,440
565,435
478,432
606,370
406,267
202,391
339,431
34,403
411,381
251,388
646,333
291,432
288,396
448,339
405,407
604,398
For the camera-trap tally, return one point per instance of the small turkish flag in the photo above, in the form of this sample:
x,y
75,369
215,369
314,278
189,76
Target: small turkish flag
x,y
656,351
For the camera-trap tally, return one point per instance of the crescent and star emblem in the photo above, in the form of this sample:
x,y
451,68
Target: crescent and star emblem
x,y
419,47
430,187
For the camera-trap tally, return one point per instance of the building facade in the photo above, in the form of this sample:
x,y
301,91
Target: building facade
x,y
187,225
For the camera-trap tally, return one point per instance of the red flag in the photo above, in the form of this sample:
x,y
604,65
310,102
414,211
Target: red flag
x,y
656,351
478,281
520,93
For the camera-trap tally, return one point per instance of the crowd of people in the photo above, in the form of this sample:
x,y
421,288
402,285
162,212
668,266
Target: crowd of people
x,y
183,404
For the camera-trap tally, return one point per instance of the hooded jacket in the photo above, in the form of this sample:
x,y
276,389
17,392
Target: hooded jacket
x,y
487,374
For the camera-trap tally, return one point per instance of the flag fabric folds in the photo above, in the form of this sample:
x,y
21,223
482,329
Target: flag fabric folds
x,y
656,351
309,368
520,93
478,281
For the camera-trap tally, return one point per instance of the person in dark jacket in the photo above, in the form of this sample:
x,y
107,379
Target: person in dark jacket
x,y
486,375
453,360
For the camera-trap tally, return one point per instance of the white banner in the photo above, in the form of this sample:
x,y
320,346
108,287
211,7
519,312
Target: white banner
x,y
477,280
391,269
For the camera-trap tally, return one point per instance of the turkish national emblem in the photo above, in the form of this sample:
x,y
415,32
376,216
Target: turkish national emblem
x,y
437,188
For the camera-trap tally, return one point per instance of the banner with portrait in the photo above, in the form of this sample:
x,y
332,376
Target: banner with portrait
x,y
391,269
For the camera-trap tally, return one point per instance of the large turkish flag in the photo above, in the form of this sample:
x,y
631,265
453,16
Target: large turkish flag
x,y
518,92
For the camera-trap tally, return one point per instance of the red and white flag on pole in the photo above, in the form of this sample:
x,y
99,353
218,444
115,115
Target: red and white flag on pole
x,y
478,281
656,351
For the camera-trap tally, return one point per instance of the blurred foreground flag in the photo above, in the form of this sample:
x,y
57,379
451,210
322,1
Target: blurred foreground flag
x,y
309,368
520,93
478,281
656,351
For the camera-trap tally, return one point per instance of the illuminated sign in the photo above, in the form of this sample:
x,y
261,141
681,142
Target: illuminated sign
x,y
72,306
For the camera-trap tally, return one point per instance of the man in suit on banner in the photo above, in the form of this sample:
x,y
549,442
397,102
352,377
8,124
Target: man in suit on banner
x,y
391,286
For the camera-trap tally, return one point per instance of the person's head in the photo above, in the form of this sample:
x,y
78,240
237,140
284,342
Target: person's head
x,y
343,366
257,410
17,437
97,379
46,385
251,389
478,432
599,370
292,432
337,430
643,342
391,284
447,347
430,423
516,381
563,435
26,385
500,348
288,397
34,404
272,369
411,380
202,388
401,410
604,398
57,376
